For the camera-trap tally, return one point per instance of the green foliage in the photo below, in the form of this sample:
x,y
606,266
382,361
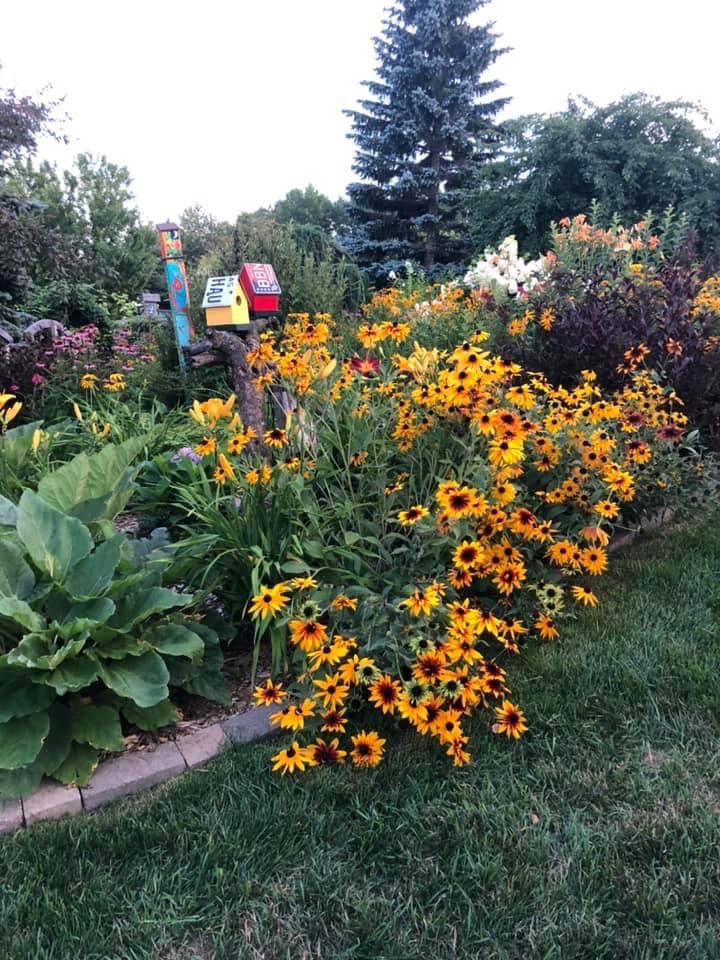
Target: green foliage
x,y
636,154
88,632
309,207
106,250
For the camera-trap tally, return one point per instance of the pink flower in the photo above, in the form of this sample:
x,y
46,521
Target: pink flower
x,y
36,379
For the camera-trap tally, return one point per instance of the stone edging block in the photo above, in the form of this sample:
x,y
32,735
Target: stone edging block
x,y
50,802
132,773
244,727
11,815
200,747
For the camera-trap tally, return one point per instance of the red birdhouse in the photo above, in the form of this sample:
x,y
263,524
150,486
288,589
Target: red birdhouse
x,y
260,284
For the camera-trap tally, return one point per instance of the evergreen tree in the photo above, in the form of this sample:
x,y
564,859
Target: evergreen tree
x,y
426,126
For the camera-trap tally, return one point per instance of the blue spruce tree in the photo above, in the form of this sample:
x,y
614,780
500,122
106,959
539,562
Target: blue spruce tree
x,y
427,124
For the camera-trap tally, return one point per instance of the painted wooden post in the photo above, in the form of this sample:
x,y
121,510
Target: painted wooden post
x,y
172,256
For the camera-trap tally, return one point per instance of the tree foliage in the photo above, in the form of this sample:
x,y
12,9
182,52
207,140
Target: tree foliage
x,y
636,154
428,118
22,122
309,207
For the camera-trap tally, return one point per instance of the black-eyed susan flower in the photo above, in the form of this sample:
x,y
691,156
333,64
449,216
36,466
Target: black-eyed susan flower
x,y
468,555
545,626
412,515
303,583
584,596
331,691
294,758
207,446
327,753
271,693
333,721
594,560
509,720
384,693
276,437
341,602
367,749
223,471
293,716
309,635
456,750
269,601
421,602
448,726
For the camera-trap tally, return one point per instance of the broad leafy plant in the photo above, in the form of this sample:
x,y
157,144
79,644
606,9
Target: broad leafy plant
x,y
89,633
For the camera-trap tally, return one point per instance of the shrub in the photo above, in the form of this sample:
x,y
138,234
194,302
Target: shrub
x,y
614,298
88,631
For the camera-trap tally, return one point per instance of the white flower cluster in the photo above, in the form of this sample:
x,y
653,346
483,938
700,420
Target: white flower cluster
x,y
506,269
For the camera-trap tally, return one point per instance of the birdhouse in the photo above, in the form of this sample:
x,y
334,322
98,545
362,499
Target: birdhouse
x,y
225,304
262,289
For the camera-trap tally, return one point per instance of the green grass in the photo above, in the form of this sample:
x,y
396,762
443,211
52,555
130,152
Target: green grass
x,y
595,837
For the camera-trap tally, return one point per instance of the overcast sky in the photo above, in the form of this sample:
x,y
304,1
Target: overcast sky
x,y
231,105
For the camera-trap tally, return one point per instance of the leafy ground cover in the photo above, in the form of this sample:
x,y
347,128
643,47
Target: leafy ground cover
x,y
594,836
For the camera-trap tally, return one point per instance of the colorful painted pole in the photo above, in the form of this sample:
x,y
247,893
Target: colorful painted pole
x,y
172,256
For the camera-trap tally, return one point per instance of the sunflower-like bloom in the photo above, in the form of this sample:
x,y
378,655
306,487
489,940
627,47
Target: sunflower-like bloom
x,y
409,517
331,691
269,601
327,752
509,720
294,758
293,717
368,749
584,596
309,635
385,693
271,693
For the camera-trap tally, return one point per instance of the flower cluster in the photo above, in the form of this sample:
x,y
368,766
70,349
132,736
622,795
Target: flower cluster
x,y
533,476
505,269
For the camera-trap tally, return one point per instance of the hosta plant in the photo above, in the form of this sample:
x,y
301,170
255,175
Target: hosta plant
x,y
89,634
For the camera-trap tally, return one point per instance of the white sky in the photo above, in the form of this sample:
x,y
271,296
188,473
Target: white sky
x,y
231,105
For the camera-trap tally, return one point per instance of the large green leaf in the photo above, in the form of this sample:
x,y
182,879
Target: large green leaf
x,y
150,718
8,512
21,739
98,726
207,680
144,680
78,766
176,640
40,652
19,696
73,675
21,613
57,743
17,442
137,606
55,541
119,646
92,576
88,613
96,486
19,783
16,576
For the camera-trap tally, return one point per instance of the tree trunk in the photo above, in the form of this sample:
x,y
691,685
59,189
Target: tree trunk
x,y
250,396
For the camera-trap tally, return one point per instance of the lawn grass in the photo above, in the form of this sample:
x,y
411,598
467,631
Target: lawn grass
x,y
597,836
